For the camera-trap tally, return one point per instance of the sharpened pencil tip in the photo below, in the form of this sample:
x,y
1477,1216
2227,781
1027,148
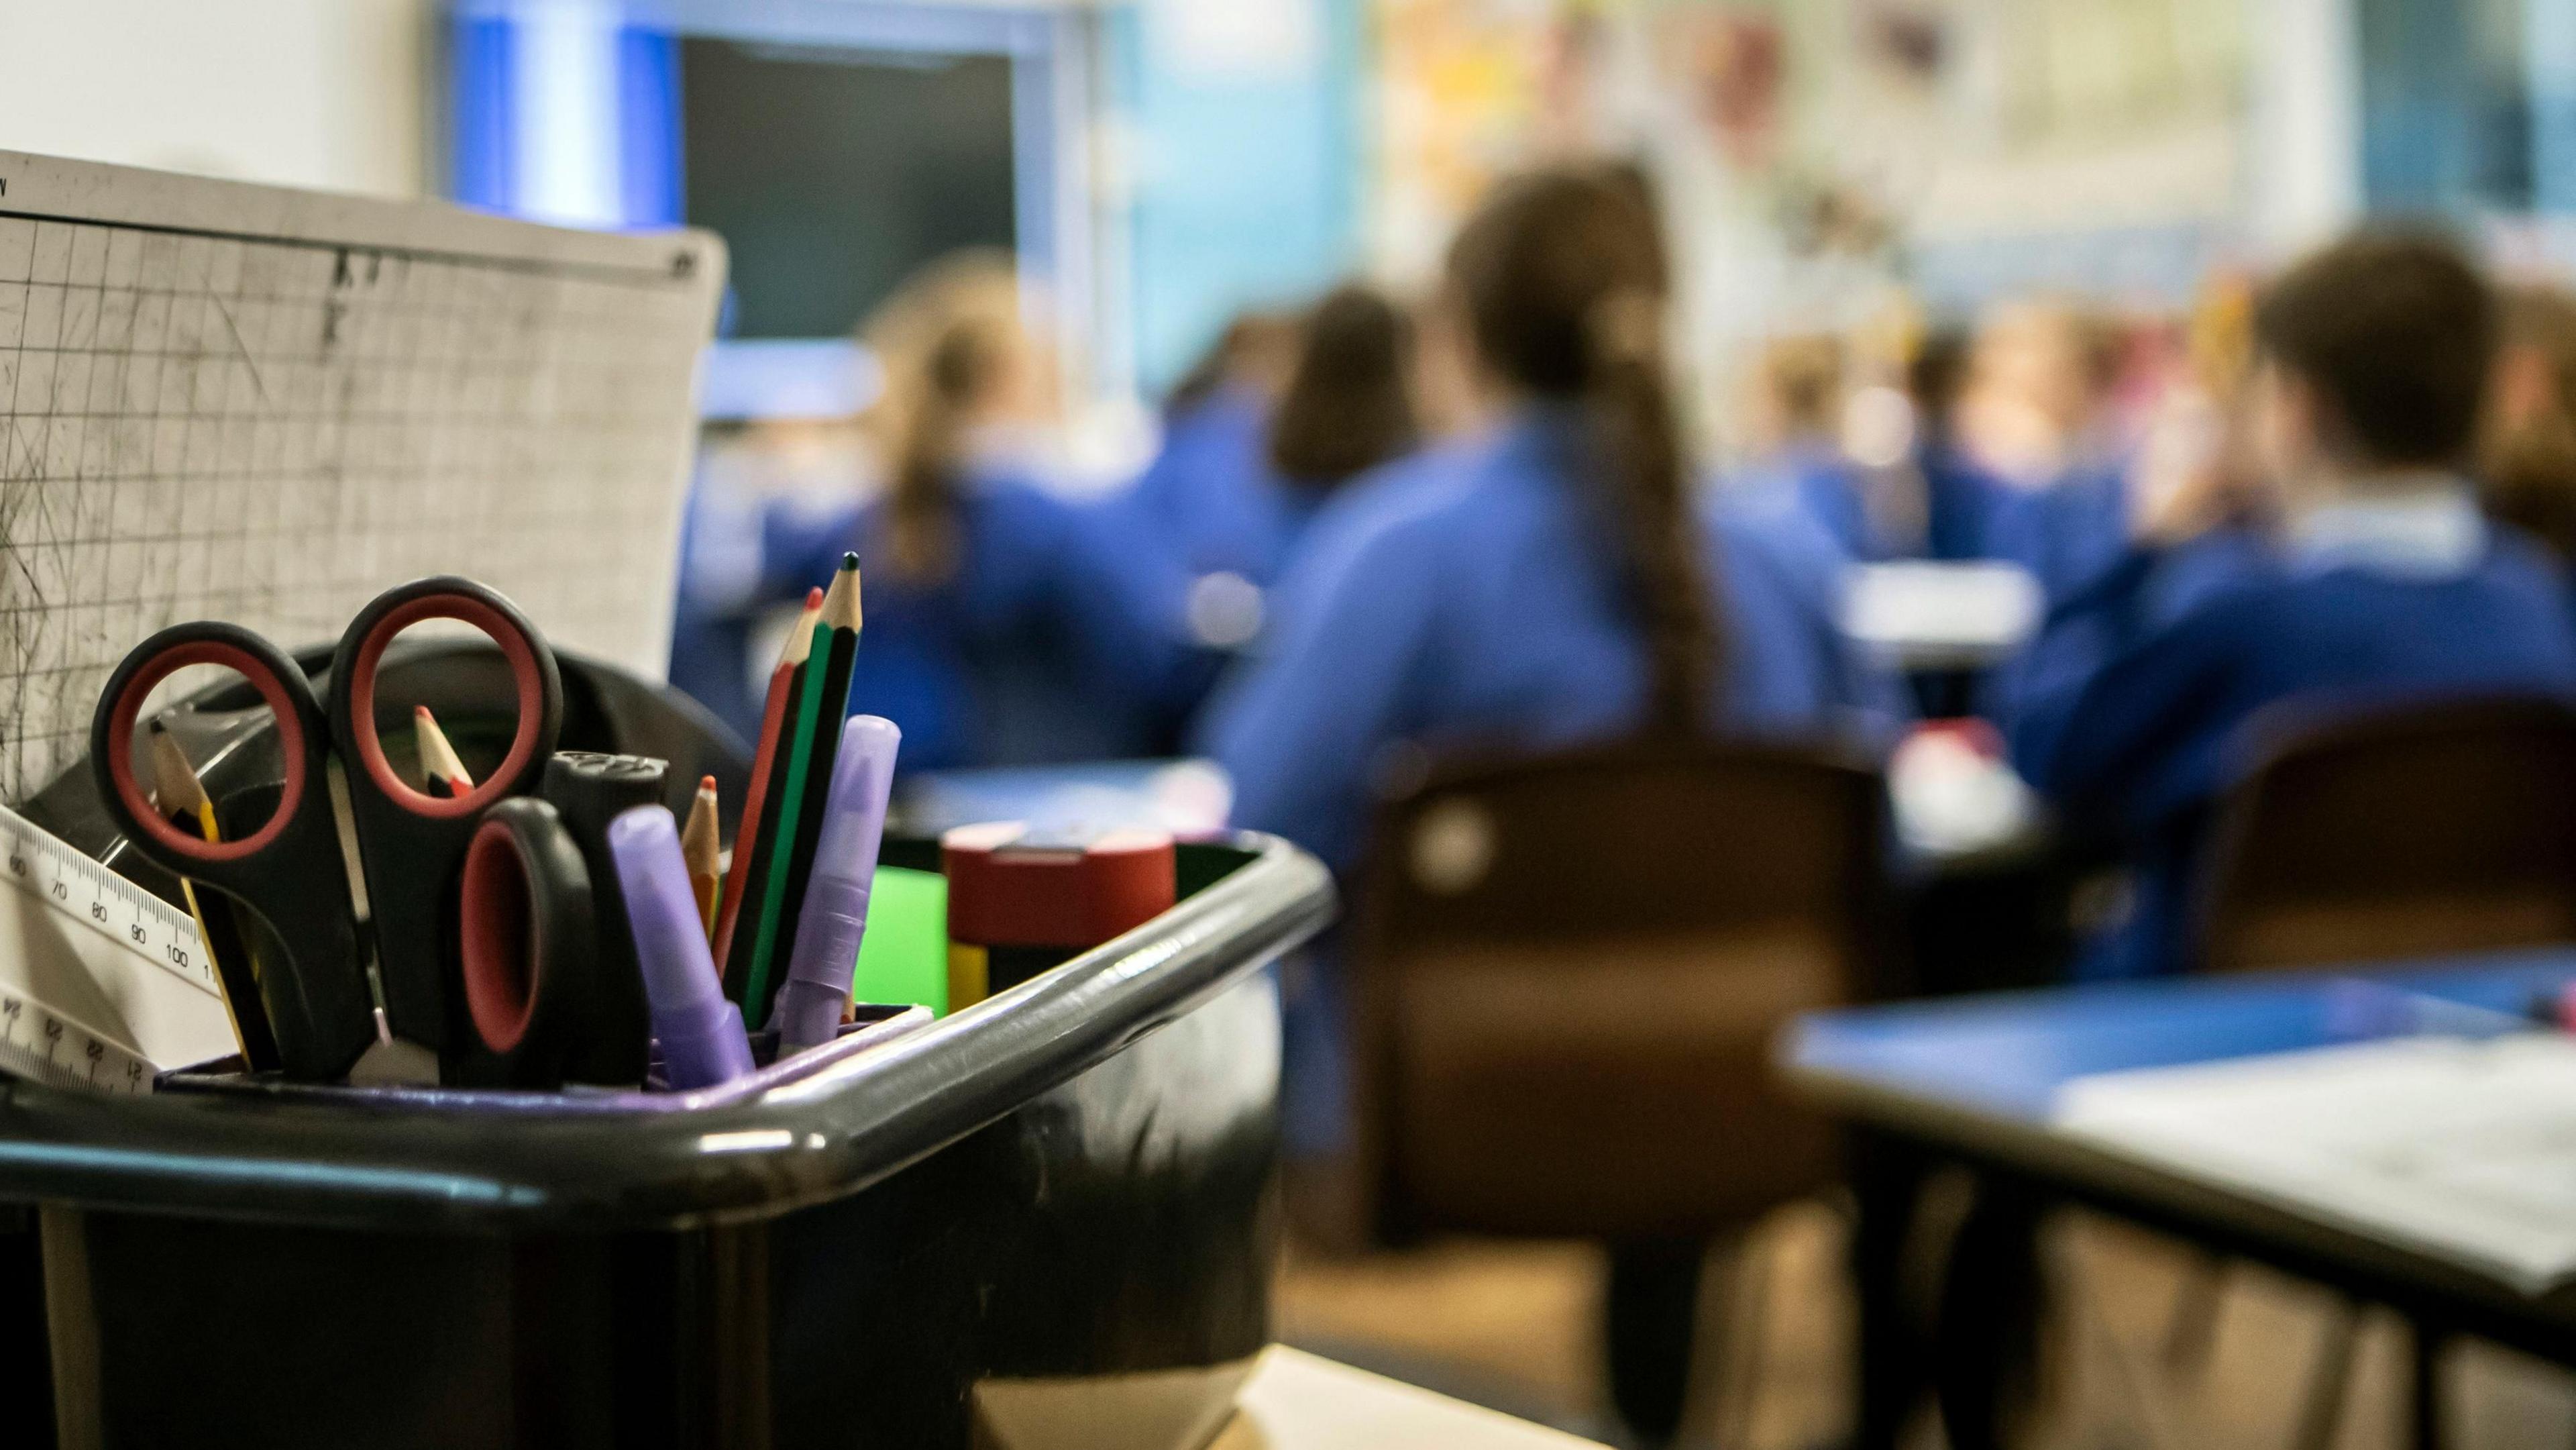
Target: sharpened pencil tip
x,y
706,782
841,601
175,786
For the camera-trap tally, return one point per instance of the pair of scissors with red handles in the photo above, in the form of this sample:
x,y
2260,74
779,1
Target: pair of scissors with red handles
x,y
361,876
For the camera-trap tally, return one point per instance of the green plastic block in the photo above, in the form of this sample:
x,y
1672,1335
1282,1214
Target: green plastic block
x,y
904,956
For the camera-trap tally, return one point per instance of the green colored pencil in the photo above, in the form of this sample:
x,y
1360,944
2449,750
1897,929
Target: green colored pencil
x,y
835,653
840,611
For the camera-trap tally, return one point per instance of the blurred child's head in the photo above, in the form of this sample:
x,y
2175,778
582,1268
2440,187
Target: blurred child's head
x,y
1255,351
960,358
1348,406
2039,375
1801,394
1936,375
2373,359
961,331
1553,274
1561,283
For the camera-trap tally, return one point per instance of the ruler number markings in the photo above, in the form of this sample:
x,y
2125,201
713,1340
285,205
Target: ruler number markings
x,y
89,892
35,1043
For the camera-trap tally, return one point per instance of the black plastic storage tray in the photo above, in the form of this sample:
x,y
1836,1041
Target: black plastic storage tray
x,y
1059,1196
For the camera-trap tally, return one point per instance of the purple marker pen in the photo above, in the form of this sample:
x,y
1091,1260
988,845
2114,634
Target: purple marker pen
x,y
835,915
700,1032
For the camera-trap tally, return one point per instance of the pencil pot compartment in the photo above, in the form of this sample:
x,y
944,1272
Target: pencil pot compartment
x,y
1055,1205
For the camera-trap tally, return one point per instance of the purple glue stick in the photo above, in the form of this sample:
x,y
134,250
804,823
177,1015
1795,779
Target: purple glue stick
x,y
700,1032
835,915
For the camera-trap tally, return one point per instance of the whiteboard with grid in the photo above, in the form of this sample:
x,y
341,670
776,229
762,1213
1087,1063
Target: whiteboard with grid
x,y
223,401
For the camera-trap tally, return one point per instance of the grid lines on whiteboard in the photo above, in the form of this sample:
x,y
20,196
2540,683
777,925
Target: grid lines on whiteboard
x,y
272,430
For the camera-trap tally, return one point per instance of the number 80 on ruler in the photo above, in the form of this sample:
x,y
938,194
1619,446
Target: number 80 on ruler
x,y
89,892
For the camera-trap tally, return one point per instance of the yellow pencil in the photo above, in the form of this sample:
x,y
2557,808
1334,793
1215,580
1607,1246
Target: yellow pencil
x,y
177,791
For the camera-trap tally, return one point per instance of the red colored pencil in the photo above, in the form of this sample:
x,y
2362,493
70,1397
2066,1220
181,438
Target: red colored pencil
x,y
773,724
440,766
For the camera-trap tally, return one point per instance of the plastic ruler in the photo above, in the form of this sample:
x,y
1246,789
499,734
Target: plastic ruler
x,y
101,982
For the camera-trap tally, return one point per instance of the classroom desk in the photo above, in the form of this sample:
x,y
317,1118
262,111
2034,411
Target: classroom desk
x,y
1296,1401
1282,1399
1187,797
1927,615
1972,1080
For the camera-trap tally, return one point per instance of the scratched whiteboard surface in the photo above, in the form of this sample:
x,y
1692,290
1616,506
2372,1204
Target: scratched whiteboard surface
x,y
224,401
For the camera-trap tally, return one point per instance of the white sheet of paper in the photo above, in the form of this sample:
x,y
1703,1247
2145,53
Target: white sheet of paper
x,y
1931,613
2462,1149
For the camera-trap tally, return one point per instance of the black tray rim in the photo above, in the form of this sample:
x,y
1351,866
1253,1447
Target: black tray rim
x,y
442,1163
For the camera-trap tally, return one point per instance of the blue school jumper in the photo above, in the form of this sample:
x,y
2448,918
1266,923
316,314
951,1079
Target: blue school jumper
x,y
1470,597
1214,494
1962,504
2069,533
2136,698
1053,639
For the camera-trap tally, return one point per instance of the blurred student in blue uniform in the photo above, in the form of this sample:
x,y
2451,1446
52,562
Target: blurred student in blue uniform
x,y
1205,487
1005,624
2075,526
1795,424
1348,408
1543,583
2381,581
1878,469
1231,497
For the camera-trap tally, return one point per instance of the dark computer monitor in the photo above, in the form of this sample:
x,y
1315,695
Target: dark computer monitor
x,y
834,173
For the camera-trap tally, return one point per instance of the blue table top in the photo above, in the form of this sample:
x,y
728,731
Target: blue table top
x,y
2007,1055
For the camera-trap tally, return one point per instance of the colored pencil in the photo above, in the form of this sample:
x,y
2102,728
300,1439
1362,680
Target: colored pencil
x,y
746,835
781,832
441,768
735,927
179,794
704,853
836,645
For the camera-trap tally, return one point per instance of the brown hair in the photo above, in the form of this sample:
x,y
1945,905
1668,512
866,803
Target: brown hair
x,y
1804,376
2527,447
2396,333
1349,404
1243,353
943,341
1562,277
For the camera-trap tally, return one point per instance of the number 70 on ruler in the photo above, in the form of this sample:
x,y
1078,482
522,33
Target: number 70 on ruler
x,y
88,892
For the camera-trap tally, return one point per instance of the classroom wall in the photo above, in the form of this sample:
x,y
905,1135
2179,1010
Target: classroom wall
x,y
324,93
1238,175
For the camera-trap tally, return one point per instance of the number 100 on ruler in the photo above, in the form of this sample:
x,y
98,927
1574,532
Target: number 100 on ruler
x,y
101,982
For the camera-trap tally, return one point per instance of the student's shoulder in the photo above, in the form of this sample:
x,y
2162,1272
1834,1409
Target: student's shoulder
x,y
2523,564
1412,498
1007,494
1762,538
